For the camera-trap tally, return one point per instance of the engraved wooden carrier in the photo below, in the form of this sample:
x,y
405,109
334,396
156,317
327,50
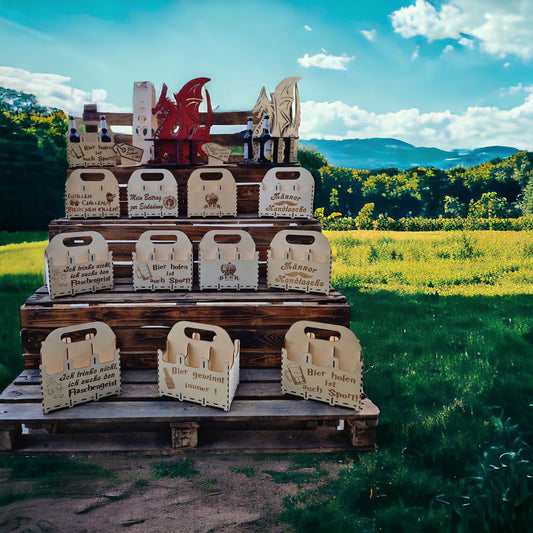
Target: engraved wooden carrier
x,y
79,364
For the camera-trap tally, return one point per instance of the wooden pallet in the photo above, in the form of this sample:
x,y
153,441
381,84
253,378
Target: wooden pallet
x,y
140,421
141,320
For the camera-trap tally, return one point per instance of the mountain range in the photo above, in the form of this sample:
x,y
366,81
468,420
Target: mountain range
x,y
392,153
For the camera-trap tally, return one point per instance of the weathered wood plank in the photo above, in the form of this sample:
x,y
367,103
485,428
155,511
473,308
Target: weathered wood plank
x,y
162,411
142,391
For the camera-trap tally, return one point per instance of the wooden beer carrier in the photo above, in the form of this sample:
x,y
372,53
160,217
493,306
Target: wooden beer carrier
x,y
261,418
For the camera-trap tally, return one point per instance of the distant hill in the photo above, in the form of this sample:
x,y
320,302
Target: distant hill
x,y
385,153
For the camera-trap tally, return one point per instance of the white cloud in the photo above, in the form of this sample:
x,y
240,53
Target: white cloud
x,y
500,28
369,34
325,61
447,50
307,28
506,65
53,90
415,52
473,128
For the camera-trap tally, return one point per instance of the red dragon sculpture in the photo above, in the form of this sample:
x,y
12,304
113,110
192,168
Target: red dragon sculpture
x,y
181,132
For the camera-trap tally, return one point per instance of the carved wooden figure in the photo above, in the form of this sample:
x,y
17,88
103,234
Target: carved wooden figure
x,y
152,193
322,362
144,122
228,260
281,194
200,364
299,260
79,364
78,262
92,193
163,261
211,192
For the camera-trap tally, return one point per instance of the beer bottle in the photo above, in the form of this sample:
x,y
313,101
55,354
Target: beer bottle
x,y
104,134
73,135
265,142
248,142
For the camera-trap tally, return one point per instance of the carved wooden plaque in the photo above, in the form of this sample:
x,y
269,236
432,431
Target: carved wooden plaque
x,y
211,192
79,364
322,362
228,260
152,193
92,193
78,262
287,192
200,364
163,260
300,261
216,154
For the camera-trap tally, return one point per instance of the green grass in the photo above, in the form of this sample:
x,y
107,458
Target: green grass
x,y
446,325
248,471
51,476
172,469
448,360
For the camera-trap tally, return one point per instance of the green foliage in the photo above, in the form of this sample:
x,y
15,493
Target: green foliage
x,y
32,171
496,190
178,468
386,223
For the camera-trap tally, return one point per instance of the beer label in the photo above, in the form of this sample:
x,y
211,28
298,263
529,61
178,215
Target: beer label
x,y
268,150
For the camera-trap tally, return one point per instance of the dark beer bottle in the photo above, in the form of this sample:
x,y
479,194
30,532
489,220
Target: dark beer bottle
x,y
73,135
248,141
265,142
104,134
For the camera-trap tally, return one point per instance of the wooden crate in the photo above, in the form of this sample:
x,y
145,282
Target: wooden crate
x,y
138,420
141,320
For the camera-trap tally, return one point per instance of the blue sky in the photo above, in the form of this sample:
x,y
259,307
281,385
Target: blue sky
x,y
448,73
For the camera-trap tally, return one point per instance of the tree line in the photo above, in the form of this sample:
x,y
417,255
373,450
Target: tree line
x,y
34,163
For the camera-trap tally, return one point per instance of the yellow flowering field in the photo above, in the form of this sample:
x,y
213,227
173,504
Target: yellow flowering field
x,y
464,263
23,258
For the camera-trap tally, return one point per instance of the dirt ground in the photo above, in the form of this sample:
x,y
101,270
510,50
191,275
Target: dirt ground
x,y
223,493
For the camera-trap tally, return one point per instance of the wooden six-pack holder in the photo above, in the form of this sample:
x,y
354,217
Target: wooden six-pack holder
x,y
139,420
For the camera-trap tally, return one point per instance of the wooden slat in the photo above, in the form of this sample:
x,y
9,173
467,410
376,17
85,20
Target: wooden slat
x,y
169,410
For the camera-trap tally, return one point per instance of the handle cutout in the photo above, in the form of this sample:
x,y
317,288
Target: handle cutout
x,y
78,336
92,176
211,176
289,175
152,176
322,334
72,242
293,238
163,239
221,238
200,334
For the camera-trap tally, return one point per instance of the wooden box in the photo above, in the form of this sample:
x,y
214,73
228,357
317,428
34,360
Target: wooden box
x,y
78,262
322,362
163,261
228,265
200,364
152,193
287,192
92,193
79,364
211,192
300,261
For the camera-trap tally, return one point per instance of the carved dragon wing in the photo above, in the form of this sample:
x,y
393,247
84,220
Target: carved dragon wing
x,y
188,101
285,119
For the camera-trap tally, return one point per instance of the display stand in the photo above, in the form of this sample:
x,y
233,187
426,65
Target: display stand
x,y
260,418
